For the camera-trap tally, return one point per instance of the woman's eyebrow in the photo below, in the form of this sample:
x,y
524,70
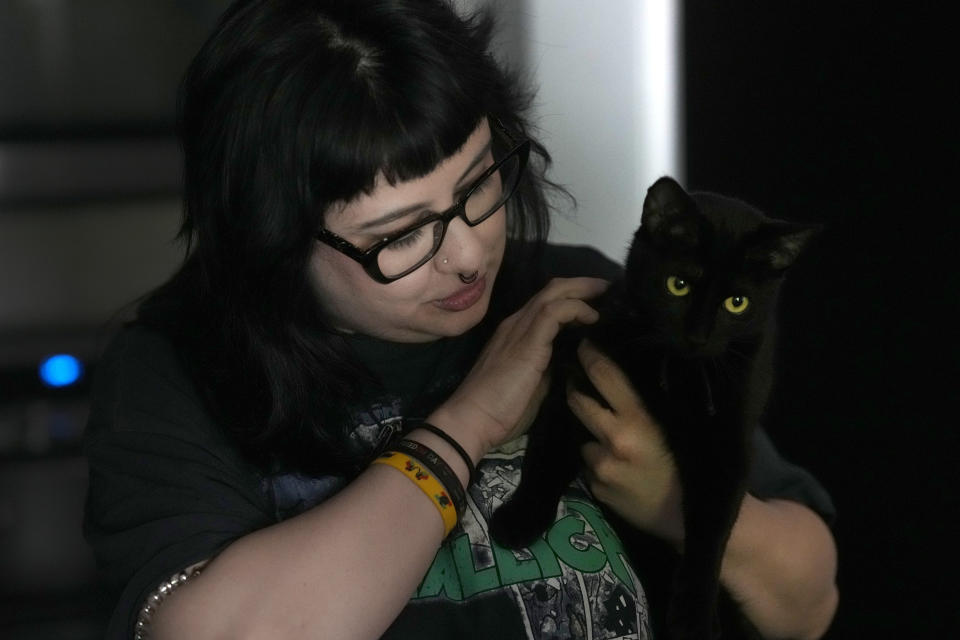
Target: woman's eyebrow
x,y
476,160
393,215
405,211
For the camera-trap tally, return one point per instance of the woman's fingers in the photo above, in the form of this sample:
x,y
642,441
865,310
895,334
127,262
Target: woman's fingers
x,y
557,313
628,467
594,416
623,425
608,378
584,288
561,302
528,334
506,384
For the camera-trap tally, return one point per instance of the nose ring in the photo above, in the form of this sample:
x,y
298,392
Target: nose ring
x,y
468,279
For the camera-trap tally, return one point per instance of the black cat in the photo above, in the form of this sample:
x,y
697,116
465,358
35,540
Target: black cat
x,y
691,323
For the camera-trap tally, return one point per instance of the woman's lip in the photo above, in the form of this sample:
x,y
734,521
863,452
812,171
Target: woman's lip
x,y
464,298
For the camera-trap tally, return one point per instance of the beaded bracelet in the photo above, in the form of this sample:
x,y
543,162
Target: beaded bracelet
x,y
456,447
155,599
426,482
434,463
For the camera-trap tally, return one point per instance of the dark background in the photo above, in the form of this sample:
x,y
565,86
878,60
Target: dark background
x,y
836,113
89,175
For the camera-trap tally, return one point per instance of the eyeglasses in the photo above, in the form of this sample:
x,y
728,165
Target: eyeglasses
x,y
405,251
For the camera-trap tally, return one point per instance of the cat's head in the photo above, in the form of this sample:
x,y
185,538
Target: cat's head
x,y
706,268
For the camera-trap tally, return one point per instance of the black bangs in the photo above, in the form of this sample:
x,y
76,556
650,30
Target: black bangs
x,y
403,143
411,150
396,97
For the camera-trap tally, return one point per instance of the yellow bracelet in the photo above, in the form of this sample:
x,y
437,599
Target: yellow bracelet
x,y
427,483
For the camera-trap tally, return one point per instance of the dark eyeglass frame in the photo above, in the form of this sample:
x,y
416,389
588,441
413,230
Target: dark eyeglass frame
x,y
368,257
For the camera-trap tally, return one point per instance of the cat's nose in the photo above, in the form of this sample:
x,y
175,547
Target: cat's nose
x,y
697,339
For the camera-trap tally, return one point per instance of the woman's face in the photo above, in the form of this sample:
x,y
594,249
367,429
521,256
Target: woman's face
x,y
430,302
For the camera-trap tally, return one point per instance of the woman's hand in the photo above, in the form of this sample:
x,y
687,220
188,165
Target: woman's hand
x,y
780,562
628,468
501,394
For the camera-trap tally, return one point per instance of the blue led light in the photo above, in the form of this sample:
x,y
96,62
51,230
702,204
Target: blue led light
x,y
60,370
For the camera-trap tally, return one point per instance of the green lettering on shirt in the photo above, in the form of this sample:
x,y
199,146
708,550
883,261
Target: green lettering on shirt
x,y
512,569
455,575
472,580
609,541
441,577
549,566
589,560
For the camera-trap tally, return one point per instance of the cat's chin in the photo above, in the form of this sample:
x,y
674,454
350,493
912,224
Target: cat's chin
x,y
693,354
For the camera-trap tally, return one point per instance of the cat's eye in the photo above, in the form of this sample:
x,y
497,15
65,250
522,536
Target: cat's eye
x,y
736,304
677,286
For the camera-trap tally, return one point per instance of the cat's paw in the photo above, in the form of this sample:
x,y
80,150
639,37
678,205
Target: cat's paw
x,y
686,627
512,526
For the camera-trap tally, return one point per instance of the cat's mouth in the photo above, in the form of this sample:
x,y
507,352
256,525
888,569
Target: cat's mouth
x,y
699,349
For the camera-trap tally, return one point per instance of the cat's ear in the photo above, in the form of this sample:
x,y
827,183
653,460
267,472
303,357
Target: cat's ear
x,y
667,215
777,245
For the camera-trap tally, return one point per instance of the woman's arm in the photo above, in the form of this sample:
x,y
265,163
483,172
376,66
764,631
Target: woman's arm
x,y
780,565
347,567
780,561
343,569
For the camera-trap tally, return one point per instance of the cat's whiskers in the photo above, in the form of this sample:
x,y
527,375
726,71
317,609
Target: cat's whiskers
x,y
733,351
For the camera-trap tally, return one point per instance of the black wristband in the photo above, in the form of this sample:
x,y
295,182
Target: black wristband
x,y
456,445
439,468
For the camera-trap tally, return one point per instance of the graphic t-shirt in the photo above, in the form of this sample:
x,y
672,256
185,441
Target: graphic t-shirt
x,y
169,487
574,582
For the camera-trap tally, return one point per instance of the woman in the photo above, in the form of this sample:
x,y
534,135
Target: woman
x,y
364,206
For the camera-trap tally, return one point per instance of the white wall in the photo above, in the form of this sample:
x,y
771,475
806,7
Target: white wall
x,y
608,75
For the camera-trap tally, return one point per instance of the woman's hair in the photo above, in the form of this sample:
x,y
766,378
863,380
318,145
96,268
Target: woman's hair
x,y
289,107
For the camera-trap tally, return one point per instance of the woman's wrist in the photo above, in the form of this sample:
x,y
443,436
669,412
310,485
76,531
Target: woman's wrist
x,y
458,430
468,425
464,456
444,450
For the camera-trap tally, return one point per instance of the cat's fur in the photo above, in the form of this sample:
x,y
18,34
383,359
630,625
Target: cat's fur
x,y
704,374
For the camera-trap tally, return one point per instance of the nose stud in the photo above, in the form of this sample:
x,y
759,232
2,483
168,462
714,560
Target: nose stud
x,y
445,261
